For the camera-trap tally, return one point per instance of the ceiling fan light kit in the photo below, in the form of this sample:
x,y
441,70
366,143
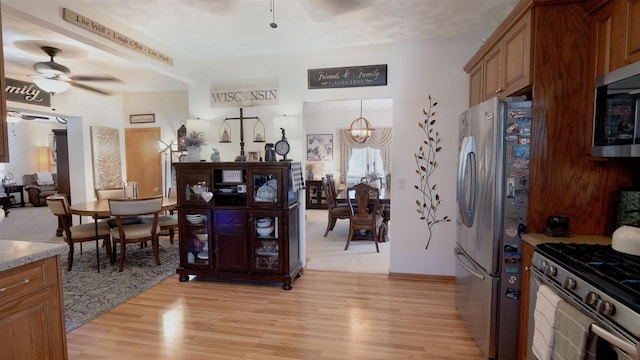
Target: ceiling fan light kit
x,y
273,15
52,86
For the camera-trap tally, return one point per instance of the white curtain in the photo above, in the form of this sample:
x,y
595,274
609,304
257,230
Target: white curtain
x,y
380,139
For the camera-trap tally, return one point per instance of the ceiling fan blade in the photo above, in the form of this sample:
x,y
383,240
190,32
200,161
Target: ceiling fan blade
x,y
89,88
33,117
93,78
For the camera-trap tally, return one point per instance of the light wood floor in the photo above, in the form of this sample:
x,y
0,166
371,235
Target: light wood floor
x,y
327,315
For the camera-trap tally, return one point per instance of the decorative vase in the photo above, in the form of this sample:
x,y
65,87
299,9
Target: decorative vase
x,y
193,154
309,175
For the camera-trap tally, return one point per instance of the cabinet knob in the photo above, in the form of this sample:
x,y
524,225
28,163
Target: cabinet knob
x,y
498,90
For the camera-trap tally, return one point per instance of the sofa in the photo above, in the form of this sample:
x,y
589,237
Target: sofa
x,y
38,190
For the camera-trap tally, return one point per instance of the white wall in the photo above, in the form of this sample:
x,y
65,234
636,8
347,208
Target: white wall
x,y
415,69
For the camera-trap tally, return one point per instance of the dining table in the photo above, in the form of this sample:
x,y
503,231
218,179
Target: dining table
x,y
97,209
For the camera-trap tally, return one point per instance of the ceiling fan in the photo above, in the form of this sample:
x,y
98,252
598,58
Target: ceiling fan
x,y
52,74
17,114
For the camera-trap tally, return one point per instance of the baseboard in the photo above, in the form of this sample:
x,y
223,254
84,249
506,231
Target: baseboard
x,y
422,277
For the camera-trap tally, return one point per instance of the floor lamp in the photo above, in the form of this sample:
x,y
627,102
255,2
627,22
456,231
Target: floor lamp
x,y
166,149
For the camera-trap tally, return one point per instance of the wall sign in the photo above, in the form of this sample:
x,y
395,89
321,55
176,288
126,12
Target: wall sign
x,y
26,93
110,34
264,93
142,118
351,76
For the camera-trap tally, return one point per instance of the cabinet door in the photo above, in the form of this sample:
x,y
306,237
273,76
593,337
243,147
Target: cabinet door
x,y
631,31
31,327
517,56
601,32
231,251
492,71
266,242
4,140
265,187
527,255
194,233
192,182
475,85
230,240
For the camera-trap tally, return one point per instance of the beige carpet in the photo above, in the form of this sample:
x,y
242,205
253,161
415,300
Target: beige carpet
x,y
30,224
327,253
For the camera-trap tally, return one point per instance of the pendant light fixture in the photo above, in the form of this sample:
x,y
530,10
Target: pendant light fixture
x,y
273,14
360,129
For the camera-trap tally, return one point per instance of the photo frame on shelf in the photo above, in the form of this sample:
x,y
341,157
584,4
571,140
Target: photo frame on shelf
x,y
142,118
253,156
319,147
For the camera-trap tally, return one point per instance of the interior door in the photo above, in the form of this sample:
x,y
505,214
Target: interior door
x,y
144,161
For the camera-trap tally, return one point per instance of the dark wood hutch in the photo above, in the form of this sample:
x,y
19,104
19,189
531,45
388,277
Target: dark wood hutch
x,y
239,221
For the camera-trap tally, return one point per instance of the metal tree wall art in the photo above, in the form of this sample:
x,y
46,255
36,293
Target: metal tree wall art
x,y
426,164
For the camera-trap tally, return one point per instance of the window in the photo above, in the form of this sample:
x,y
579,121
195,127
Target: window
x,y
364,162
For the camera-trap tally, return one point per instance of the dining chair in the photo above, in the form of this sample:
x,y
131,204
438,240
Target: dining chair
x,y
335,211
332,186
78,233
135,233
366,215
114,193
168,222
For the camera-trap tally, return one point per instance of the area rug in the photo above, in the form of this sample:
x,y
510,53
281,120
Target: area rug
x,y
89,294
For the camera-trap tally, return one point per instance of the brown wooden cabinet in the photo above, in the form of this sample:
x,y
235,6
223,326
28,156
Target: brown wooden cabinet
x,y
527,255
316,198
32,311
4,140
502,66
615,33
248,230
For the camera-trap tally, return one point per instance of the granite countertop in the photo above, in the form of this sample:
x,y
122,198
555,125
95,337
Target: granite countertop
x,y
17,253
536,239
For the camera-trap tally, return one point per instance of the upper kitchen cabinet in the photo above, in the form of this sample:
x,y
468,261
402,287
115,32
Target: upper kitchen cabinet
x,y
503,65
615,33
4,141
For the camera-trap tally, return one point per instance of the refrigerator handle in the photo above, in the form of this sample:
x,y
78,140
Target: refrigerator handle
x,y
467,164
462,261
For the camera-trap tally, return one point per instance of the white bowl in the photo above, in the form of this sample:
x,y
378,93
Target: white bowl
x,y
265,222
202,237
264,231
626,239
199,189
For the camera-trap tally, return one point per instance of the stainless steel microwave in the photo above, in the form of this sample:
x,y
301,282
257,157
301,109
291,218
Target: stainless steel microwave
x,y
616,124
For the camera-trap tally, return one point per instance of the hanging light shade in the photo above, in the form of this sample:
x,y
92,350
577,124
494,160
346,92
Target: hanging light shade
x,y
224,132
258,132
360,129
52,86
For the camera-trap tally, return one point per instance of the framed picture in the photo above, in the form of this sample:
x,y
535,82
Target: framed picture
x,y
319,147
253,156
232,176
142,118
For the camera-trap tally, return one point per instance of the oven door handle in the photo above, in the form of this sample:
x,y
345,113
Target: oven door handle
x,y
625,346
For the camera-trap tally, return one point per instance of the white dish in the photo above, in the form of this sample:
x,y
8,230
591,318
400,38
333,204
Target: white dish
x,y
265,192
273,183
203,255
226,190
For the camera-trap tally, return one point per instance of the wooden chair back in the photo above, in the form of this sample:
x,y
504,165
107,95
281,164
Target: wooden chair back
x,y
367,201
328,193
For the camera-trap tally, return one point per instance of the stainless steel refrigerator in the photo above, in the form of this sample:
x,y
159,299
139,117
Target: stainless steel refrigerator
x,y
492,199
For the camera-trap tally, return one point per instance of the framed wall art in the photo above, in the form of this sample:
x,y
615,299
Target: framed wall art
x,y
142,118
253,156
319,147
105,149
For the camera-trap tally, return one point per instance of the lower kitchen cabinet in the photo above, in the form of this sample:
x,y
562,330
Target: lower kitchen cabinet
x,y
247,230
32,312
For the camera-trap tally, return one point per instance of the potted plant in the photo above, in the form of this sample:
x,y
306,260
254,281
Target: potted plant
x,y
194,141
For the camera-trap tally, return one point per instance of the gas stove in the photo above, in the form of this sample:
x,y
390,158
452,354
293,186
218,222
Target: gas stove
x,y
606,282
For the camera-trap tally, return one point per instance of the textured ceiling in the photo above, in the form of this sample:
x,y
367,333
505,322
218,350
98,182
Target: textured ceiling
x,y
202,29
